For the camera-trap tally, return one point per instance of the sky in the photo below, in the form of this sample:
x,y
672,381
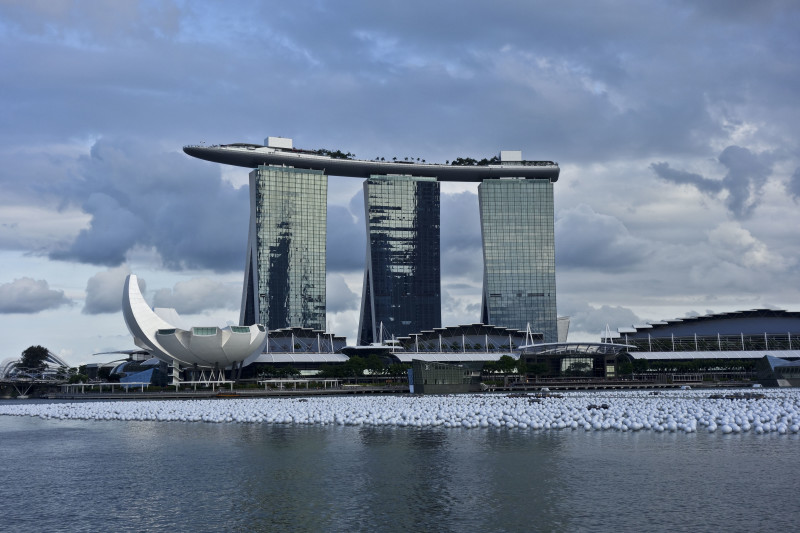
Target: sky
x,y
675,125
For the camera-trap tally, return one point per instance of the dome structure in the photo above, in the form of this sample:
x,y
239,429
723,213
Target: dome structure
x,y
210,347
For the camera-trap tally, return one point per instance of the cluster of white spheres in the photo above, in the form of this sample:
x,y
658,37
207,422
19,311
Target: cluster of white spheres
x,y
676,411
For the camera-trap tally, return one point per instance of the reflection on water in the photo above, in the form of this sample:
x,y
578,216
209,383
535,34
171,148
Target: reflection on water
x,y
132,476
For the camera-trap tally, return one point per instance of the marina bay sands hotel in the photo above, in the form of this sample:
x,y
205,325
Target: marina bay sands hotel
x,y
285,270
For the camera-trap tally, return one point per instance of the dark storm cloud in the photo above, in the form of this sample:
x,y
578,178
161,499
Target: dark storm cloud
x,y
139,195
747,174
347,236
611,86
663,170
462,252
586,239
744,181
29,296
597,86
794,184
461,223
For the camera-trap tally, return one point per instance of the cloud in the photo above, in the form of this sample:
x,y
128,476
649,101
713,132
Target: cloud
x,y
99,98
585,318
104,291
586,239
793,186
141,196
27,295
112,231
735,244
339,297
346,237
664,171
744,181
198,295
461,246
460,307
747,174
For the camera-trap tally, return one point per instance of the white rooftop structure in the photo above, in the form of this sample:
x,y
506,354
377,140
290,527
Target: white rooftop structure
x,y
206,347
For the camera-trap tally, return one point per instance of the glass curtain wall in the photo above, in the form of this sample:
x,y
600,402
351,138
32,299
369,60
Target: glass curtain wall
x,y
519,279
285,274
402,286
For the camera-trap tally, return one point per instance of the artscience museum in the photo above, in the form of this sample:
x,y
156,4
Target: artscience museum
x,y
204,349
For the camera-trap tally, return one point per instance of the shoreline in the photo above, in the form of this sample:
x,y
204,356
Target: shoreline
x,y
684,411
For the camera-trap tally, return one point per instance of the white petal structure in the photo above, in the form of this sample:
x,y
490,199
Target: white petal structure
x,y
201,346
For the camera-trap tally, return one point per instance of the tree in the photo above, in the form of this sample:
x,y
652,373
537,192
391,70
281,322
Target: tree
x,y
78,378
286,371
354,367
506,364
34,358
397,370
625,368
335,154
374,365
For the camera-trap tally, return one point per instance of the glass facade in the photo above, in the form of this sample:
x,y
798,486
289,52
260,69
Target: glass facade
x,y
402,286
519,276
285,273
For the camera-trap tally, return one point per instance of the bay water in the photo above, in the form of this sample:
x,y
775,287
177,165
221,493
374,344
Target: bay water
x,y
79,475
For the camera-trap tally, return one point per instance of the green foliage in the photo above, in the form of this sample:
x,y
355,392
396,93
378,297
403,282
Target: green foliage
x,y
506,364
470,162
286,371
354,367
397,370
335,154
33,358
374,365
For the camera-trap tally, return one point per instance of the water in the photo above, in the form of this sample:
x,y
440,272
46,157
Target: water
x,y
67,475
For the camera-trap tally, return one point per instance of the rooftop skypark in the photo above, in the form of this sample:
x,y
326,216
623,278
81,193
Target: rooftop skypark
x,y
279,151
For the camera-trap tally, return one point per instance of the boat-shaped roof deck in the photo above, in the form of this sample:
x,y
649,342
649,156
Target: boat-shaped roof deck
x,y
254,155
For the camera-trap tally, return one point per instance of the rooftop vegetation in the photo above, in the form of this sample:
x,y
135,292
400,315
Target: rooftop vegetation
x,y
335,154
